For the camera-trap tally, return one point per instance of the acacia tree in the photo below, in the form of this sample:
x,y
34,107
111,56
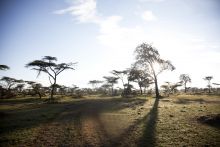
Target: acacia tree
x,y
148,58
36,87
120,75
9,82
209,78
170,87
94,83
105,88
112,81
4,67
20,84
185,79
140,77
49,66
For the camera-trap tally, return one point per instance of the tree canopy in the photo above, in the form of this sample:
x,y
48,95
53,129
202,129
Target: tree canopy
x,y
48,65
148,58
4,67
185,78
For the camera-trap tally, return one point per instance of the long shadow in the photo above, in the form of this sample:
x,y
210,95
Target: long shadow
x,y
19,100
25,118
149,139
129,130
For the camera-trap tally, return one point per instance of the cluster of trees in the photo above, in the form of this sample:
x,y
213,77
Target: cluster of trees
x,y
144,72
47,65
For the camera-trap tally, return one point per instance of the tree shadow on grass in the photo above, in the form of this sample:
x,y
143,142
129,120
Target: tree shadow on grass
x,y
38,114
19,101
149,139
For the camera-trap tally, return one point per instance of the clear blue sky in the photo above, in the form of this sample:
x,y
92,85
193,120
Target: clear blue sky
x,y
101,36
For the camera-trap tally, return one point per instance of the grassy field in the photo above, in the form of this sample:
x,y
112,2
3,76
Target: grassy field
x,y
110,121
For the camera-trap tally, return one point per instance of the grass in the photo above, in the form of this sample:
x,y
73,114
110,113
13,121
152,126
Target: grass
x,y
109,121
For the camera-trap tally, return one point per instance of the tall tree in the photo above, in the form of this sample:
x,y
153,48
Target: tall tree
x,y
49,66
185,79
209,78
149,58
112,81
4,67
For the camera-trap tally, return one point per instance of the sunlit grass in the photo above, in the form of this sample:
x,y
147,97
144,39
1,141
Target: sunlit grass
x,y
115,121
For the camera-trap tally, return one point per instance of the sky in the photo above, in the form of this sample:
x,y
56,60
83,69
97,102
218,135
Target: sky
x,y
102,35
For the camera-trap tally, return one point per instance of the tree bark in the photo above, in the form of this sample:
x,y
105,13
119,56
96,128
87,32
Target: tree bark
x,y
141,90
155,81
156,87
53,88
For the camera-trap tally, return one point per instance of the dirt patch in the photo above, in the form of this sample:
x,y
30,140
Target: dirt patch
x,y
213,120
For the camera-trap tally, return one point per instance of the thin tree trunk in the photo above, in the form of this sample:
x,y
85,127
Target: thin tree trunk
x,y
141,89
185,87
155,81
53,88
112,90
156,87
209,87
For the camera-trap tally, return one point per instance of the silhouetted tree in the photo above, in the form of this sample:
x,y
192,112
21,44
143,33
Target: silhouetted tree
x,y
148,57
140,77
62,89
4,67
185,79
209,78
112,81
94,83
49,66
20,86
170,87
120,75
106,87
73,89
36,87
9,82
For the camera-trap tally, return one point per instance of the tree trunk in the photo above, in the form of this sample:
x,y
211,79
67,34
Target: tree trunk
x,y
156,87
112,89
39,95
141,90
209,86
185,87
53,88
155,81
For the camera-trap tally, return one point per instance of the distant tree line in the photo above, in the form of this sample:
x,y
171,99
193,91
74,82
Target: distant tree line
x,y
144,73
